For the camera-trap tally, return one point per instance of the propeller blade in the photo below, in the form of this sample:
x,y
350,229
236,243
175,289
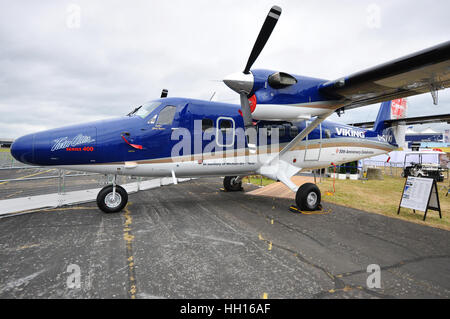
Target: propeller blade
x,y
264,34
245,109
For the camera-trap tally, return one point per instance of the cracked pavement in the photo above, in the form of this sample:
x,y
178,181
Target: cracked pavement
x,y
194,241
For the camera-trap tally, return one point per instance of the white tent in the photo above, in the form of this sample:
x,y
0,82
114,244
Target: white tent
x,y
397,158
429,131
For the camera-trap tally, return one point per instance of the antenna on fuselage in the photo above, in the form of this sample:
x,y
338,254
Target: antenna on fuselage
x,y
164,93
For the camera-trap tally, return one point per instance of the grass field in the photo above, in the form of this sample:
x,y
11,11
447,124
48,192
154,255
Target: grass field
x,y
383,197
378,196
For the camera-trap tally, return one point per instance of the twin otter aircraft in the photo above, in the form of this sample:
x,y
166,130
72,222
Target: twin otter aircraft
x,y
278,130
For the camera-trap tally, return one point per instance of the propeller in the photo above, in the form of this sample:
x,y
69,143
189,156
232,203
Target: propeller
x,y
242,83
263,36
246,112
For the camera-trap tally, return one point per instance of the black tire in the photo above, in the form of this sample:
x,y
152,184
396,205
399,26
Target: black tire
x,y
308,197
104,199
230,185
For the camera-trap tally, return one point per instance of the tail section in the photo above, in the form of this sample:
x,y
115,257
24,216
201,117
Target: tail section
x,y
392,110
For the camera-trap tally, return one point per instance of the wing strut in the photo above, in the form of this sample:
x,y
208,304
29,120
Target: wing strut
x,y
308,129
278,169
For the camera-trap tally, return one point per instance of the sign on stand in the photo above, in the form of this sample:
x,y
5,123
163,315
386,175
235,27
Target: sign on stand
x,y
420,194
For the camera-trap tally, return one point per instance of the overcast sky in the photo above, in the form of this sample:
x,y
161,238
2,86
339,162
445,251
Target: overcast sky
x,y
56,69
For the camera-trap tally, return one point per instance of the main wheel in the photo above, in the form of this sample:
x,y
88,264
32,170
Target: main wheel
x,y
112,203
308,197
231,185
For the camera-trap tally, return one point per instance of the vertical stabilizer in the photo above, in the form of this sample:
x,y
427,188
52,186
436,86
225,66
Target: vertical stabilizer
x,y
390,110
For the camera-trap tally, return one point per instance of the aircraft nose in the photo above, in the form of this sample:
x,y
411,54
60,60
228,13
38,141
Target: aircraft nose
x,y
22,149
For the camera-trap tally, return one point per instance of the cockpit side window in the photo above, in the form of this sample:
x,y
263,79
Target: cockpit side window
x,y
147,108
166,115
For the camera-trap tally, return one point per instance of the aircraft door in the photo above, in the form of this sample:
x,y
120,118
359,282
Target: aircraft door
x,y
313,144
156,140
207,136
225,135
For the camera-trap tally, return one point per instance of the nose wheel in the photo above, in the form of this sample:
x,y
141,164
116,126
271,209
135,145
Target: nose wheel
x,y
112,199
232,183
308,197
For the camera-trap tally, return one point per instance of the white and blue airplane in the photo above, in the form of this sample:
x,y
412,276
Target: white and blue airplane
x,y
278,130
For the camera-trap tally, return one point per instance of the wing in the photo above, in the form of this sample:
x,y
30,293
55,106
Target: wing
x,y
421,72
411,120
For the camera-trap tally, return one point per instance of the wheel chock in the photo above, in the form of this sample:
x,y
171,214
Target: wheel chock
x,y
295,209
225,191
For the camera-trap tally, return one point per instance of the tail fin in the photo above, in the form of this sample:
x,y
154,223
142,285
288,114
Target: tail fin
x,y
392,110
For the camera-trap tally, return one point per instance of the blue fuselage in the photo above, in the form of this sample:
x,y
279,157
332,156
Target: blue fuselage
x,y
111,141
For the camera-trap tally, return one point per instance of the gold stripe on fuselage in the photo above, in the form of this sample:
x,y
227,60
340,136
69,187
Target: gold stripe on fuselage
x,y
261,150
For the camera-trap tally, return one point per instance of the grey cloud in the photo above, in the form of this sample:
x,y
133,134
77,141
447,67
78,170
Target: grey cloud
x,y
123,55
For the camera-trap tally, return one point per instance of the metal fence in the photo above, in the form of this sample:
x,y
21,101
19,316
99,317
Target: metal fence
x,y
18,180
7,161
394,169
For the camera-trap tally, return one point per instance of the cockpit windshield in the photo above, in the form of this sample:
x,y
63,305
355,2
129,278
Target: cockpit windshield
x,y
146,109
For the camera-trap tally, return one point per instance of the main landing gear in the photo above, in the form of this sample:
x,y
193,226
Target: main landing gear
x,y
112,198
232,183
308,197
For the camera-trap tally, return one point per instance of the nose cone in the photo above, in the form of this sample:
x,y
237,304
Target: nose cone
x,y
22,149
240,82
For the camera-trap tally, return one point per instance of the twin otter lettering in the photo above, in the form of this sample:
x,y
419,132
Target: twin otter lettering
x,y
65,142
349,132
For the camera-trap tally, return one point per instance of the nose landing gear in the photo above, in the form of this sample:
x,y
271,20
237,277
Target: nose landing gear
x,y
232,183
112,198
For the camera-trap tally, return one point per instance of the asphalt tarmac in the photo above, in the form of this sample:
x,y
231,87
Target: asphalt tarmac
x,y
194,241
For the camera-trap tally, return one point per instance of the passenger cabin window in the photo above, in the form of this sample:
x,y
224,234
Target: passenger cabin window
x,y
207,124
294,131
225,125
282,130
327,133
166,115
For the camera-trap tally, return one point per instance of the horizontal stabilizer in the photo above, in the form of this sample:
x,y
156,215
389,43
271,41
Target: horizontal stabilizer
x,y
442,118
